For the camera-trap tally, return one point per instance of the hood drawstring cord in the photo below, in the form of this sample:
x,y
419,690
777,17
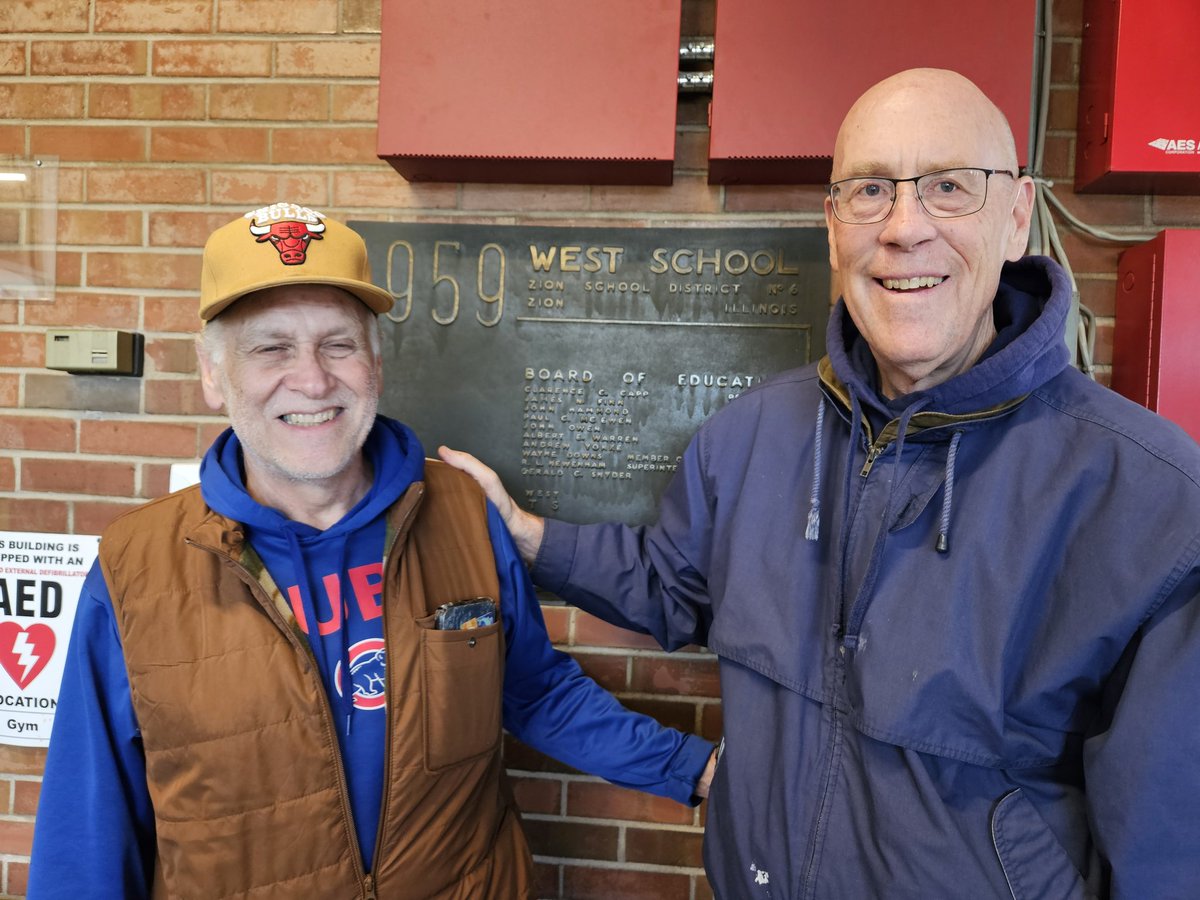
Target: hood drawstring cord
x,y
813,531
901,434
943,540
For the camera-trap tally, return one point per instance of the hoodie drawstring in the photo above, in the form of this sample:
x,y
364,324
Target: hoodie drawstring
x,y
813,531
943,539
901,431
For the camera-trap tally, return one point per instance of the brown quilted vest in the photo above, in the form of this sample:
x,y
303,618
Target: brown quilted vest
x,y
242,762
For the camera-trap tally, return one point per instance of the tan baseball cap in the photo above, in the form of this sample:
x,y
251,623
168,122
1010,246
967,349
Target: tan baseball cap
x,y
284,243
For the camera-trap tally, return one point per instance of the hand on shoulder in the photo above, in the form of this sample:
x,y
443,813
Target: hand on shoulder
x,y
526,528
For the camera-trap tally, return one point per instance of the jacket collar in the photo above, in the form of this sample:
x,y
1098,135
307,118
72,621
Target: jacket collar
x,y
1031,308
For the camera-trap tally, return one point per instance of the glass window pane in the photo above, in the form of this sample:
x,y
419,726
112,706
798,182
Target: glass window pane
x,y
28,227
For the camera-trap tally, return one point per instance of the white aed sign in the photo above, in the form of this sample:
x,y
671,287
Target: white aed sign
x,y
40,579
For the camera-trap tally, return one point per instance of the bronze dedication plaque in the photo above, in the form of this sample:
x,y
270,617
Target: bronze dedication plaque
x,y
578,362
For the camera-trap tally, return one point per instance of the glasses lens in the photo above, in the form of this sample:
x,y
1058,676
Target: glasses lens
x,y
953,192
862,200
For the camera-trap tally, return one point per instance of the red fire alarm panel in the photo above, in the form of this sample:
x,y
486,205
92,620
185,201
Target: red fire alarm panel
x,y
1158,327
529,91
786,71
1139,110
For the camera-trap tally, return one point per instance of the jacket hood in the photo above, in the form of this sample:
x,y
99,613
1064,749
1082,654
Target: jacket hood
x,y
395,454
1030,309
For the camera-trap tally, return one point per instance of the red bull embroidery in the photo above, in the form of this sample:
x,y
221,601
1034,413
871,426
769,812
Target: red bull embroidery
x,y
290,229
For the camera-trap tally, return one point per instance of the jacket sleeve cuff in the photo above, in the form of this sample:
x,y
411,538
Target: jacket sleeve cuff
x,y
551,568
693,757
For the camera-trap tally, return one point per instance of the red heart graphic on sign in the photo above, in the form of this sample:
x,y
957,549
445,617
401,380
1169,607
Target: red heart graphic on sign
x,y
24,652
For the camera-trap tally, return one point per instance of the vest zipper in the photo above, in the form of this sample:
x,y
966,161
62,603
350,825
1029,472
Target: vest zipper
x,y
369,887
385,788
264,601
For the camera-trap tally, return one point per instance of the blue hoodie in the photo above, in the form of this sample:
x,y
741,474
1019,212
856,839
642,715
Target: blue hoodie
x,y
959,632
95,835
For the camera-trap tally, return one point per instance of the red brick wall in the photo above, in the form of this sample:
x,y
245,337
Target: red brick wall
x,y
171,118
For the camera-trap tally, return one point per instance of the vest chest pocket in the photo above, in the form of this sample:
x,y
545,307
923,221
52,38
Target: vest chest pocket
x,y
461,679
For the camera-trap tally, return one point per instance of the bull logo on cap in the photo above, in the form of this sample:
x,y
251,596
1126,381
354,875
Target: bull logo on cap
x,y
290,239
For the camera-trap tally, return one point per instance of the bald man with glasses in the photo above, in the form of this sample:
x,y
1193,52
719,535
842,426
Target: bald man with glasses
x,y
951,581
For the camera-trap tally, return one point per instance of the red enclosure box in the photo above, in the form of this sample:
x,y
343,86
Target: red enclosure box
x,y
1155,356
786,72
529,91
1139,109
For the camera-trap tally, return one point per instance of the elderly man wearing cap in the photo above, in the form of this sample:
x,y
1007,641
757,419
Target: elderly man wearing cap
x,y
290,680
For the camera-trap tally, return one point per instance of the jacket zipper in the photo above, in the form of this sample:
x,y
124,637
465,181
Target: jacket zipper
x,y
873,453
877,446
368,881
809,887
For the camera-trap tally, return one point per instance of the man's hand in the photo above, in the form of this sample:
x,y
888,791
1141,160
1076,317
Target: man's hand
x,y
705,782
526,528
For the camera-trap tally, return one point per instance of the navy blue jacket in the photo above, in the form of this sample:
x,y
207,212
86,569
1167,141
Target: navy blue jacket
x,y
959,633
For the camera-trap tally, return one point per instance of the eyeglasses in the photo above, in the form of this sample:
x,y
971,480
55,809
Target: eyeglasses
x,y
946,194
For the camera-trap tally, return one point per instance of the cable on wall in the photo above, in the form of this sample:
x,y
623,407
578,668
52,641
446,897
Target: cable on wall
x,y
1043,234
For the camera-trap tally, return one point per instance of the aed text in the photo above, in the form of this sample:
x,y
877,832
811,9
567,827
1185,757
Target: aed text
x,y
23,597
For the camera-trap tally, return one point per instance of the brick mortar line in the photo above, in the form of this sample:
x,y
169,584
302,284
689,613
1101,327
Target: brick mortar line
x,y
79,415
625,823
609,650
618,865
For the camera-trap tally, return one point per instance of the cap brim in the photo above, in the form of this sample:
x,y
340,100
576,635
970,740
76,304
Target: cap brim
x,y
376,298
